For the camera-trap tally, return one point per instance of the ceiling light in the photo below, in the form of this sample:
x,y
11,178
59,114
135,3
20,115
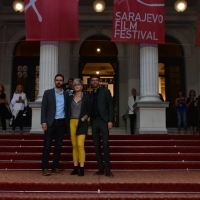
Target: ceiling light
x,y
97,72
180,5
98,50
18,6
99,5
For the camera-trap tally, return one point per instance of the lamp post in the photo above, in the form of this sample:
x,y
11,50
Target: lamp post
x,y
18,6
99,5
180,5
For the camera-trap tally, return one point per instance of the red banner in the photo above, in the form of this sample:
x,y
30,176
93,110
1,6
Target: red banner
x,y
139,21
51,20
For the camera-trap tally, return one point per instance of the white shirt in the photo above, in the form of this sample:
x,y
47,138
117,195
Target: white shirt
x,y
16,98
131,102
60,105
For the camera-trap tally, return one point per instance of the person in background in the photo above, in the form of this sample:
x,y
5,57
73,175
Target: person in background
x,y
68,87
3,102
180,104
53,120
101,121
132,114
19,103
79,109
192,111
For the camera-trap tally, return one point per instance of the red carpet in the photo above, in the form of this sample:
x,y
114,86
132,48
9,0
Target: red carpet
x,y
146,167
139,152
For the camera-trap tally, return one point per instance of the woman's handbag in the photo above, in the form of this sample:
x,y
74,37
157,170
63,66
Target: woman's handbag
x,y
7,113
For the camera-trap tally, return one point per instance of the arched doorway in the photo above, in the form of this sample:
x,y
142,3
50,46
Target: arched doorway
x,y
26,71
171,75
99,55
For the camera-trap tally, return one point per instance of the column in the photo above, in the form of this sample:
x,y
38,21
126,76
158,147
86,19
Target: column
x,y
151,111
48,66
48,70
149,72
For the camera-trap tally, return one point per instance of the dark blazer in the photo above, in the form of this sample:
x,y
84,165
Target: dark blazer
x,y
48,109
85,110
2,105
105,104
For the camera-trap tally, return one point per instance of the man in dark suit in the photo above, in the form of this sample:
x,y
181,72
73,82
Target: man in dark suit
x,y
101,121
53,123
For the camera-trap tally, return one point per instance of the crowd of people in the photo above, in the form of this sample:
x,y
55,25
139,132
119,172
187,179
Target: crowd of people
x,y
66,109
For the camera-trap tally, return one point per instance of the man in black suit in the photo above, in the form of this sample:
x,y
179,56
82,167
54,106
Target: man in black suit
x,y
53,123
101,121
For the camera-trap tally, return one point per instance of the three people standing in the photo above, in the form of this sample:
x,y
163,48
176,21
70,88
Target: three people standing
x,y
61,113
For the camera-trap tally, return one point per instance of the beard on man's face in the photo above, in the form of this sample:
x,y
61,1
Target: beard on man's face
x,y
58,85
95,85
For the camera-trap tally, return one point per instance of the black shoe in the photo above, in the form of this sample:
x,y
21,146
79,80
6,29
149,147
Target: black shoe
x,y
100,172
81,171
109,174
75,171
46,172
56,171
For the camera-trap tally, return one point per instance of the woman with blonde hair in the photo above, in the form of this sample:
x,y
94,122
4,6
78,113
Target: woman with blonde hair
x,y
18,103
79,109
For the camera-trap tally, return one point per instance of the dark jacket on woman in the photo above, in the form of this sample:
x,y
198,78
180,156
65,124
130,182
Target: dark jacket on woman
x,y
85,110
2,105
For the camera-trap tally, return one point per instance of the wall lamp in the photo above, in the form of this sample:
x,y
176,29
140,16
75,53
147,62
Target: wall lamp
x,y
18,6
99,5
180,5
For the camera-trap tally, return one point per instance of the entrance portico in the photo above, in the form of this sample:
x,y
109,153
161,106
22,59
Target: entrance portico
x,y
149,106
128,53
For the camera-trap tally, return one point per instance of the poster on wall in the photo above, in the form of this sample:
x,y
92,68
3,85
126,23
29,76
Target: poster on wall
x,y
139,21
50,20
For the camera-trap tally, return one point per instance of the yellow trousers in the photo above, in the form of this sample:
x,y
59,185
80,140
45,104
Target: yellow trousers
x,y
77,142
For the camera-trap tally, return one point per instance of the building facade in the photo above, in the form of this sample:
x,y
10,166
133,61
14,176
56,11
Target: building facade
x,y
119,64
